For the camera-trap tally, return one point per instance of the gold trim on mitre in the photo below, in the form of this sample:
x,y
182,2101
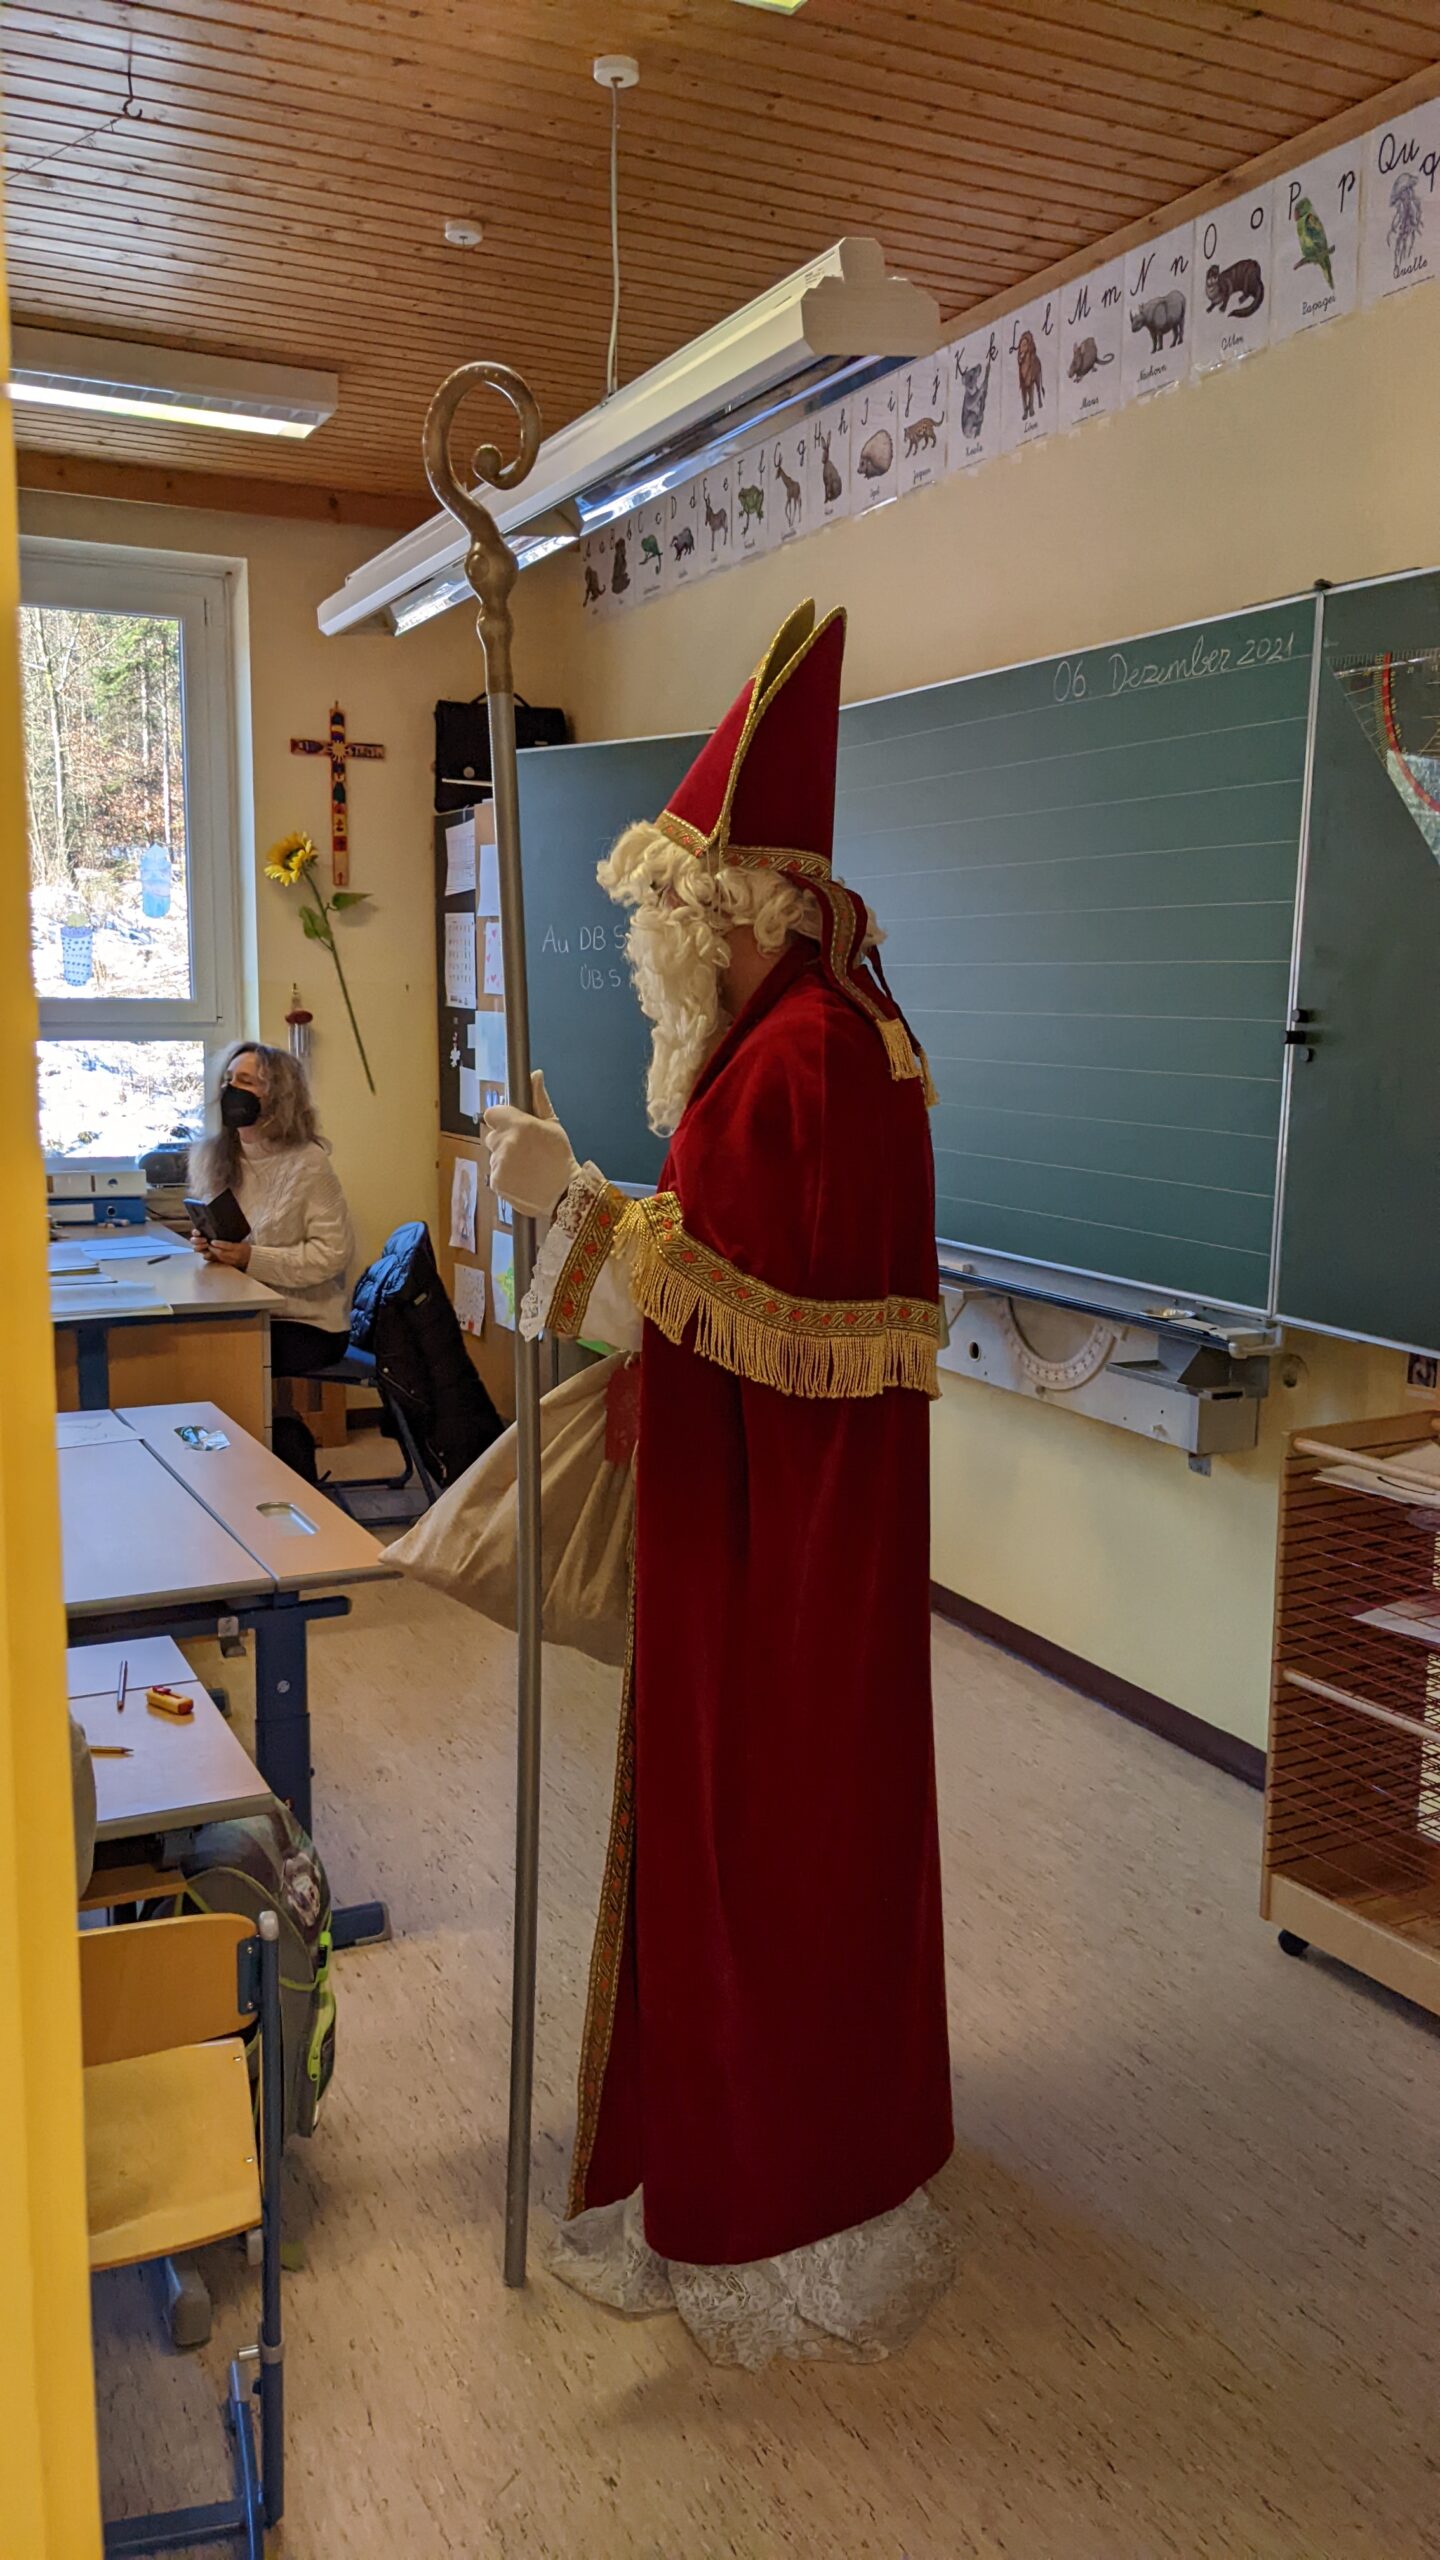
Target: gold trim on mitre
x,y
788,650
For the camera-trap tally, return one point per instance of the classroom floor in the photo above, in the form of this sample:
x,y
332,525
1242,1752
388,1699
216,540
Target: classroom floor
x,y
1195,2187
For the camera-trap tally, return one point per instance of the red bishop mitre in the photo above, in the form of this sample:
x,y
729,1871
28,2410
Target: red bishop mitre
x,y
761,795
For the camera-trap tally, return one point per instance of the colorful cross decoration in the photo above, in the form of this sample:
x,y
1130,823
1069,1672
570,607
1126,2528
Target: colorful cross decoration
x,y
338,748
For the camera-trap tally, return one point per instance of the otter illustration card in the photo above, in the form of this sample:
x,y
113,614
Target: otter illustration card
x,y
1315,235
874,445
924,398
1400,218
1155,341
684,528
1232,281
973,432
829,489
1029,365
753,530
1092,321
789,453
650,556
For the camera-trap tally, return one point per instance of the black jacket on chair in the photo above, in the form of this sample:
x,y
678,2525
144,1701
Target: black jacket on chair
x,y
403,1318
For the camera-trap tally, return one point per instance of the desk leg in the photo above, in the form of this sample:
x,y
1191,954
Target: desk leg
x,y
282,1706
92,1367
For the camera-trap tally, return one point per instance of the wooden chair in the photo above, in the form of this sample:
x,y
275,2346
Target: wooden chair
x,y
173,2162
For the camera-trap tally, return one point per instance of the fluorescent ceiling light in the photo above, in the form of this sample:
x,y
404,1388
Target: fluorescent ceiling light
x,y
112,379
554,532
839,319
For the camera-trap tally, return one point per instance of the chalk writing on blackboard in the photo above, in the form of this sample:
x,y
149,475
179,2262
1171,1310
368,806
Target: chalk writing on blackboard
x,y
1106,673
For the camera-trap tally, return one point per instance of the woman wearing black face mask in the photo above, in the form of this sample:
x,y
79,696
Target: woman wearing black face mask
x,y
268,1151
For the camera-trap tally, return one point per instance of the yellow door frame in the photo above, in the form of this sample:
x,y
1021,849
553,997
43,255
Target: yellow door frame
x,y
49,2491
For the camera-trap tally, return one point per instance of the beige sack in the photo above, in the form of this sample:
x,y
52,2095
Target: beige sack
x,y
465,1544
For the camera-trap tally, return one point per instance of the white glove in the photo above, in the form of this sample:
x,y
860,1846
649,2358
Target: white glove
x,y
531,1161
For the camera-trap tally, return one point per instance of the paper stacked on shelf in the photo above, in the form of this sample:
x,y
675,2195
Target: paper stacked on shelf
x,y
1405,1475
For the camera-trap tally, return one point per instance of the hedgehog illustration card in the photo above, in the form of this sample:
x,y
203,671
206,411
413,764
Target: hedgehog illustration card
x,y
1232,281
1400,214
874,440
828,491
715,531
753,529
1029,365
924,398
973,424
650,557
789,487
1088,356
684,526
1155,341
1315,242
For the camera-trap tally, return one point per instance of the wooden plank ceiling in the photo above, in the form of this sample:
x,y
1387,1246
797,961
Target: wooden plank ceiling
x,y
278,184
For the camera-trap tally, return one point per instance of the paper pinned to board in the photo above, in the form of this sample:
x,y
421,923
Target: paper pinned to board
x,y
487,902
460,960
464,1192
460,855
488,1044
469,1094
502,1277
493,981
469,1294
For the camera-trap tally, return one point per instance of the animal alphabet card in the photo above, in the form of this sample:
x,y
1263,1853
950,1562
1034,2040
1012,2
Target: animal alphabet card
x,y
1088,356
1401,243
1315,242
828,494
1232,281
788,485
1030,363
1158,296
924,398
684,527
874,444
595,596
650,555
753,530
716,533
974,410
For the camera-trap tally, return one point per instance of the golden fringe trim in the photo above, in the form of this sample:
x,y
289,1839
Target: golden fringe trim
x,y
811,1347
906,1060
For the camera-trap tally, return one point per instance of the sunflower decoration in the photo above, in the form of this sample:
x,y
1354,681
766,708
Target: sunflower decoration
x,y
290,862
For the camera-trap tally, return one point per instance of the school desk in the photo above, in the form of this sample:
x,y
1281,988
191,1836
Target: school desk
x,y
161,1538
179,1772
138,1314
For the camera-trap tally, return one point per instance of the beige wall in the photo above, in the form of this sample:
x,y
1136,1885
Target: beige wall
x,y
385,1144
1316,460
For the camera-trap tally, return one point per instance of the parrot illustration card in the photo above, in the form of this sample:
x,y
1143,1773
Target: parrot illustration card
x,y
754,523
684,526
1232,302
716,530
1089,353
924,396
650,561
1315,229
1029,365
1155,340
828,490
973,426
789,482
1400,216
874,445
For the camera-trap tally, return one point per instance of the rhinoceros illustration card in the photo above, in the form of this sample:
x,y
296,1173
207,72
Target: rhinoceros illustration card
x,y
924,400
874,445
828,492
1159,280
1232,304
1315,242
789,480
1400,216
650,559
1089,355
973,418
684,532
753,527
1029,371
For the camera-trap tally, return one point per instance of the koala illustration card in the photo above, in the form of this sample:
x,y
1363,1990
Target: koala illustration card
x,y
973,424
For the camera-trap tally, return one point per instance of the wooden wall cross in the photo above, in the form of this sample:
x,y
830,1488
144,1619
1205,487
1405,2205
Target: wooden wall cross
x,y
338,748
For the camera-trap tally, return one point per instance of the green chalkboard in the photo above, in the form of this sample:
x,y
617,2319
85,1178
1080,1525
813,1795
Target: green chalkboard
x,y
586,1028
1360,1239
1086,871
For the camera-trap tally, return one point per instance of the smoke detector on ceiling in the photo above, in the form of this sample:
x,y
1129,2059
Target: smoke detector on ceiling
x,y
464,235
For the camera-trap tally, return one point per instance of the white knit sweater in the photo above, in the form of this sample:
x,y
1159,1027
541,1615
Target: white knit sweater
x,y
301,1241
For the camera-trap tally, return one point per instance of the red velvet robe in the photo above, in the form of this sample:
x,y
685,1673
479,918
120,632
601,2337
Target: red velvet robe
x,y
766,2051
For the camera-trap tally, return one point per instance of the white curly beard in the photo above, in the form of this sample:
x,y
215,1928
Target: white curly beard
x,y
677,955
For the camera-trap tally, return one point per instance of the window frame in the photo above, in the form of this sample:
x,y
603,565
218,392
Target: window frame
x,y
201,593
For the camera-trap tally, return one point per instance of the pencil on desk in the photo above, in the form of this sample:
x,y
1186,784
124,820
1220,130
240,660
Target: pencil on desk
x,y
121,1685
111,1751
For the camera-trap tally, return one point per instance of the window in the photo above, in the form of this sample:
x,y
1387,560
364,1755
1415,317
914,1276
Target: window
x,y
130,773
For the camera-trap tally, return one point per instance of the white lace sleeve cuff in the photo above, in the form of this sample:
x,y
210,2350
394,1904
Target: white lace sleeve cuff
x,y
574,1268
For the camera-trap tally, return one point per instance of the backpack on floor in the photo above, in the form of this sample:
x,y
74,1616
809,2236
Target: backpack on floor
x,y
267,1863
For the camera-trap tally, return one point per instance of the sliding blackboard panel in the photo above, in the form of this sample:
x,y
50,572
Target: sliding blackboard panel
x,y
1086,870
1360,1242
586,1028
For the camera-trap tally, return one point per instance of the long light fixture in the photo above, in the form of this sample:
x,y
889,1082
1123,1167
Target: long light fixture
x,y
554,532
109,378
840,319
